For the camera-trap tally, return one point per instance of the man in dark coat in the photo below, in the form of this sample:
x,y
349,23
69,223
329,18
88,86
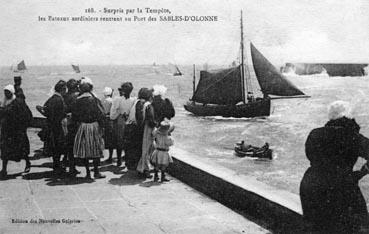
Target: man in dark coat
x,y
15,118
330,196
55,113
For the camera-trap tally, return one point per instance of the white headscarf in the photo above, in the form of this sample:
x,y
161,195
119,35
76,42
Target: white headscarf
x,y
86,80
10,88
108,91
159,90
339,109
8,101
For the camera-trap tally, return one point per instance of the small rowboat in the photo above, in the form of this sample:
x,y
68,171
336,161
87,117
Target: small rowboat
x,y
243,150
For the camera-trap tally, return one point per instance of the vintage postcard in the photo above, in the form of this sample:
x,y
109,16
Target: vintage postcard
x,y
167,116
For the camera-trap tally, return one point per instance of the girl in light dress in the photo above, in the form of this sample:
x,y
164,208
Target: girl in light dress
x,y
160,158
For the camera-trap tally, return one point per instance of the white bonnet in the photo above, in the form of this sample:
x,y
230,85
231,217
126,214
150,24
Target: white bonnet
x,y
86,80
339,109
108,91
10,88
159,90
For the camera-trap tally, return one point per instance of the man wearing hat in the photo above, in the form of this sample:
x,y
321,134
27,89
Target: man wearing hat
x,y
18,90
119,113
55,112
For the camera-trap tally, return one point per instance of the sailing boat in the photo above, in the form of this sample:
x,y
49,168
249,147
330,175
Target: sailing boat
x,y
178,72
76,68
21,67
229,93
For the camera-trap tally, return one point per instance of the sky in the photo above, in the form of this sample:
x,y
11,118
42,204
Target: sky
x,y
284,31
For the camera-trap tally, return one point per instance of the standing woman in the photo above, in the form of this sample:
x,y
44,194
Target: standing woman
x,y
15,118
133,133
88,144
163,107
330,195
149,123
119,114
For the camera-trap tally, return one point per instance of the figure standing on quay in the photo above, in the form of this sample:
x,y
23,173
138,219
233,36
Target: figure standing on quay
x,y
54,110
89,144
330,195
15,118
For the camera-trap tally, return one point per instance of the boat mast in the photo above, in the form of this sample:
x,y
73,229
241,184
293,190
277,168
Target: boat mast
x,y
194,81
242,64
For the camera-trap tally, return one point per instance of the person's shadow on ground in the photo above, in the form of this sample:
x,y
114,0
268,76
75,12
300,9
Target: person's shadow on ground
x,y
129,178
69,181
53,180
112,168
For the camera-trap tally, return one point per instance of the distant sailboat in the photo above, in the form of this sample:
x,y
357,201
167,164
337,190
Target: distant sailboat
x,y
76,68
21,67
155,68
178,72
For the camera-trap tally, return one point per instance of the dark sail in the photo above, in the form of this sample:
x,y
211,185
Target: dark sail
x,y
271,81
21,66
219,87
76,68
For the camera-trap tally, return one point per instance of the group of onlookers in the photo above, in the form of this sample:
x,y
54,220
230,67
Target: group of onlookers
x,y
80,126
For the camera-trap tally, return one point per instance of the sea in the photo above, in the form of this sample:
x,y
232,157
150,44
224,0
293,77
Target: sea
x,y
212,138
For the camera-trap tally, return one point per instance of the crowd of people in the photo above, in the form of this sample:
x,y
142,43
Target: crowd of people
x,y
80,127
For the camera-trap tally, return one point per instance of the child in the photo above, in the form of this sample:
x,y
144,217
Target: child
x,y
160,158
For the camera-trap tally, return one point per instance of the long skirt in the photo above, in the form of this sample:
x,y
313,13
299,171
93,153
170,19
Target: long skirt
x,y
332,201
132,145
118,132
147,149
88,142
14,145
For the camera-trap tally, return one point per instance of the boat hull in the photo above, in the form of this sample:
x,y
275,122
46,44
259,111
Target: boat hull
x,y
257,108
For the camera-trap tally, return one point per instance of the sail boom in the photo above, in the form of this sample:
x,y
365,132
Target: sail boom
x,y
288,97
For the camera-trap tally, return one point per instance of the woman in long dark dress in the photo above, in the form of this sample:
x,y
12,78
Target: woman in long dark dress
x,y
134,130
330,196
87,113
15,118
